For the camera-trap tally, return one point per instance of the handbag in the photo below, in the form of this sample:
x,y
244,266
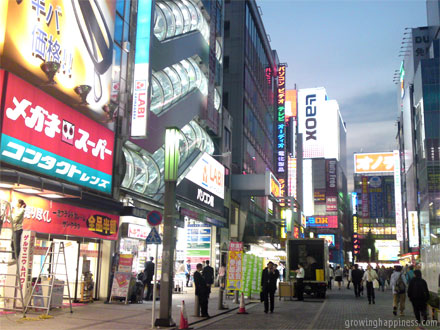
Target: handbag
x,y
375,284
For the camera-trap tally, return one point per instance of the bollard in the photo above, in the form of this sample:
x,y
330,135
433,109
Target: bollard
x,y
236,297
221,294
196,306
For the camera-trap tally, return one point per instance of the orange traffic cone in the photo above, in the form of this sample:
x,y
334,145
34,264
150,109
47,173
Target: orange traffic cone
x,y
242,309
183,317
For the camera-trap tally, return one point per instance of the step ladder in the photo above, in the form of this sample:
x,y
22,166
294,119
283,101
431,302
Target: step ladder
x,y
49,270
5,304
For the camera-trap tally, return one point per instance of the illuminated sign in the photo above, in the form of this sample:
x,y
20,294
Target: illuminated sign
x,y
398,196
280,122
42,134
283,190
374,162
295,232
65,47
356,245
354,202
209,174
365,198
355,224
139,112
402,77
319,196
275,186
331,199
413,224
322,221
329,238
291,177
291,104
268,74
388,249
137,231
303,220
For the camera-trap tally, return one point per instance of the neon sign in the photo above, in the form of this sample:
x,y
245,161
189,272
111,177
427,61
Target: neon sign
x,y
280,122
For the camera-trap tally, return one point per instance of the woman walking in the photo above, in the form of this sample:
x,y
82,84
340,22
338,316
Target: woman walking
x,y
369,276
338,276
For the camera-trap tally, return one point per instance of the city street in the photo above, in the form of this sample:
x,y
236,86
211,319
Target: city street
x,y
339,311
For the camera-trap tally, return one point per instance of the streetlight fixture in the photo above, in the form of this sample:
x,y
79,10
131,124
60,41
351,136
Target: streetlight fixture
x,y
369,255
171,163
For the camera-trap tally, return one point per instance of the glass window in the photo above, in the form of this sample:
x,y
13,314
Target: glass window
x,y
167,87
157,96
118,29
186,16
159,24
183,77
178,16
140,179
169,17
175,80
126,32
127,10
120,7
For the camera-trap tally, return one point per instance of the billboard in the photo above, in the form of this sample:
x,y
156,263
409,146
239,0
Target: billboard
x,y
398,196
413,225
388,249
140,106
63,46
374,162
329,238
322,221
46,136
310,124
291,103
51,217
365,211
331,191
280,121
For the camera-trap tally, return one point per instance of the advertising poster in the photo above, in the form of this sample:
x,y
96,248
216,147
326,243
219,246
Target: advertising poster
x,y
50,217
235,262
365,198
331,191
257,271
322,221
374,162
248,260
125,263
43,135
413,229
121,284
319,196
198,242
63,46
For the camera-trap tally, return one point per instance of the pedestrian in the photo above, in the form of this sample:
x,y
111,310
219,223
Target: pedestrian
x,y
149,272
349,279
269,285
208,275
356,277
300,281
382,277
369,276
17,222
409,273
188,272
202,291
338,276
398,286
389,273
222,276
331,274
418,294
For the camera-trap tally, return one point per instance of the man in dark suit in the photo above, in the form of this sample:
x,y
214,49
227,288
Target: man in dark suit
x,y
201,290
356,278
269,286
149,272
208,275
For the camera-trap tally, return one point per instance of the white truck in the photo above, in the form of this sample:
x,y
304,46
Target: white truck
x,y
431,272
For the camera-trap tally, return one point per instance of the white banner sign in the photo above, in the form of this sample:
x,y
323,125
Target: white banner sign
x,y
413,229
398,196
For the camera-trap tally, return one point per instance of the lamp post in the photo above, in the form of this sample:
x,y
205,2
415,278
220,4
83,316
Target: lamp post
x,y
171,164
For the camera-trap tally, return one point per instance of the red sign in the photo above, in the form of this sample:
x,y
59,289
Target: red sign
x,y
154,218
236,246
45,216
44,135
322,221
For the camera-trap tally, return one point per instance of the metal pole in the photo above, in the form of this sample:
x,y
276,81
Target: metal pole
x,y
166,281
153,315
196,306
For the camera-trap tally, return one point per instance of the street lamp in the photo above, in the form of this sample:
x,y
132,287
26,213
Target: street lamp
x,y
369,255
171,164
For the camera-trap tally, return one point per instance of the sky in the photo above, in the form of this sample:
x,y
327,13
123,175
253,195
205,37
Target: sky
x,y
350,47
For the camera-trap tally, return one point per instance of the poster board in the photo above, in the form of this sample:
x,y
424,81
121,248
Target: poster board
x,y
235,261
121,285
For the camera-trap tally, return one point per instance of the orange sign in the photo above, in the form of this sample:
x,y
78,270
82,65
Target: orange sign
x,y
275,187
291,103
374,162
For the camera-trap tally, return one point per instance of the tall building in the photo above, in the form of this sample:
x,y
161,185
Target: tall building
x,y
325,202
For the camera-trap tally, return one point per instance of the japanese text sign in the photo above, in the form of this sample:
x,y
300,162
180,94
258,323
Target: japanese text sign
x,y
280,122
322,221
45,216
374,162
234,273
64,46
44,135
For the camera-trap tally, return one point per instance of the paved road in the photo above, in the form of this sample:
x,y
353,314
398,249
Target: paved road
x,y
341,310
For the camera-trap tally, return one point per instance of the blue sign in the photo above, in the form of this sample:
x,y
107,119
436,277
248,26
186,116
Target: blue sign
x,y
154,218
153,237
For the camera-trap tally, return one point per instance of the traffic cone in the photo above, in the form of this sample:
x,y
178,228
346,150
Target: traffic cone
x,y
242,309
183,317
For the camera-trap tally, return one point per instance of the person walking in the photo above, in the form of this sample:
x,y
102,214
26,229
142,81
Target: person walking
x,y
338,276
398,286
382,277
349,278
188,272
418,294
409,274
300,281
17,222
269,285
208,275
331,274
149,272
356,277
369,276
202,290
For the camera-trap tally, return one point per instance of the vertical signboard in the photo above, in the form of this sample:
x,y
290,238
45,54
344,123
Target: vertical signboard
x,y
413,225
280,121
365,204
398,196
139,111
235,260
331,193
63,46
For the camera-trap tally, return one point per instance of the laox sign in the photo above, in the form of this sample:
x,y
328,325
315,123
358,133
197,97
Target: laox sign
x,y
311,122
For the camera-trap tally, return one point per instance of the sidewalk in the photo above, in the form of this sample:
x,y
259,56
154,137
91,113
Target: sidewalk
x,y
98,315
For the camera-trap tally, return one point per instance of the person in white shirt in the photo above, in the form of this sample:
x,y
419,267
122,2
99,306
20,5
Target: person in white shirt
x,y
398,287
300,274
369,276
17,225
338,276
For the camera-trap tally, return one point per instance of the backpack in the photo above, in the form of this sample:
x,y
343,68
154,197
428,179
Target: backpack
x,y
400,286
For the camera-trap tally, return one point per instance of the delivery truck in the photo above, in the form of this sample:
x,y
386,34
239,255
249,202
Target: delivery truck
x,y
312,253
